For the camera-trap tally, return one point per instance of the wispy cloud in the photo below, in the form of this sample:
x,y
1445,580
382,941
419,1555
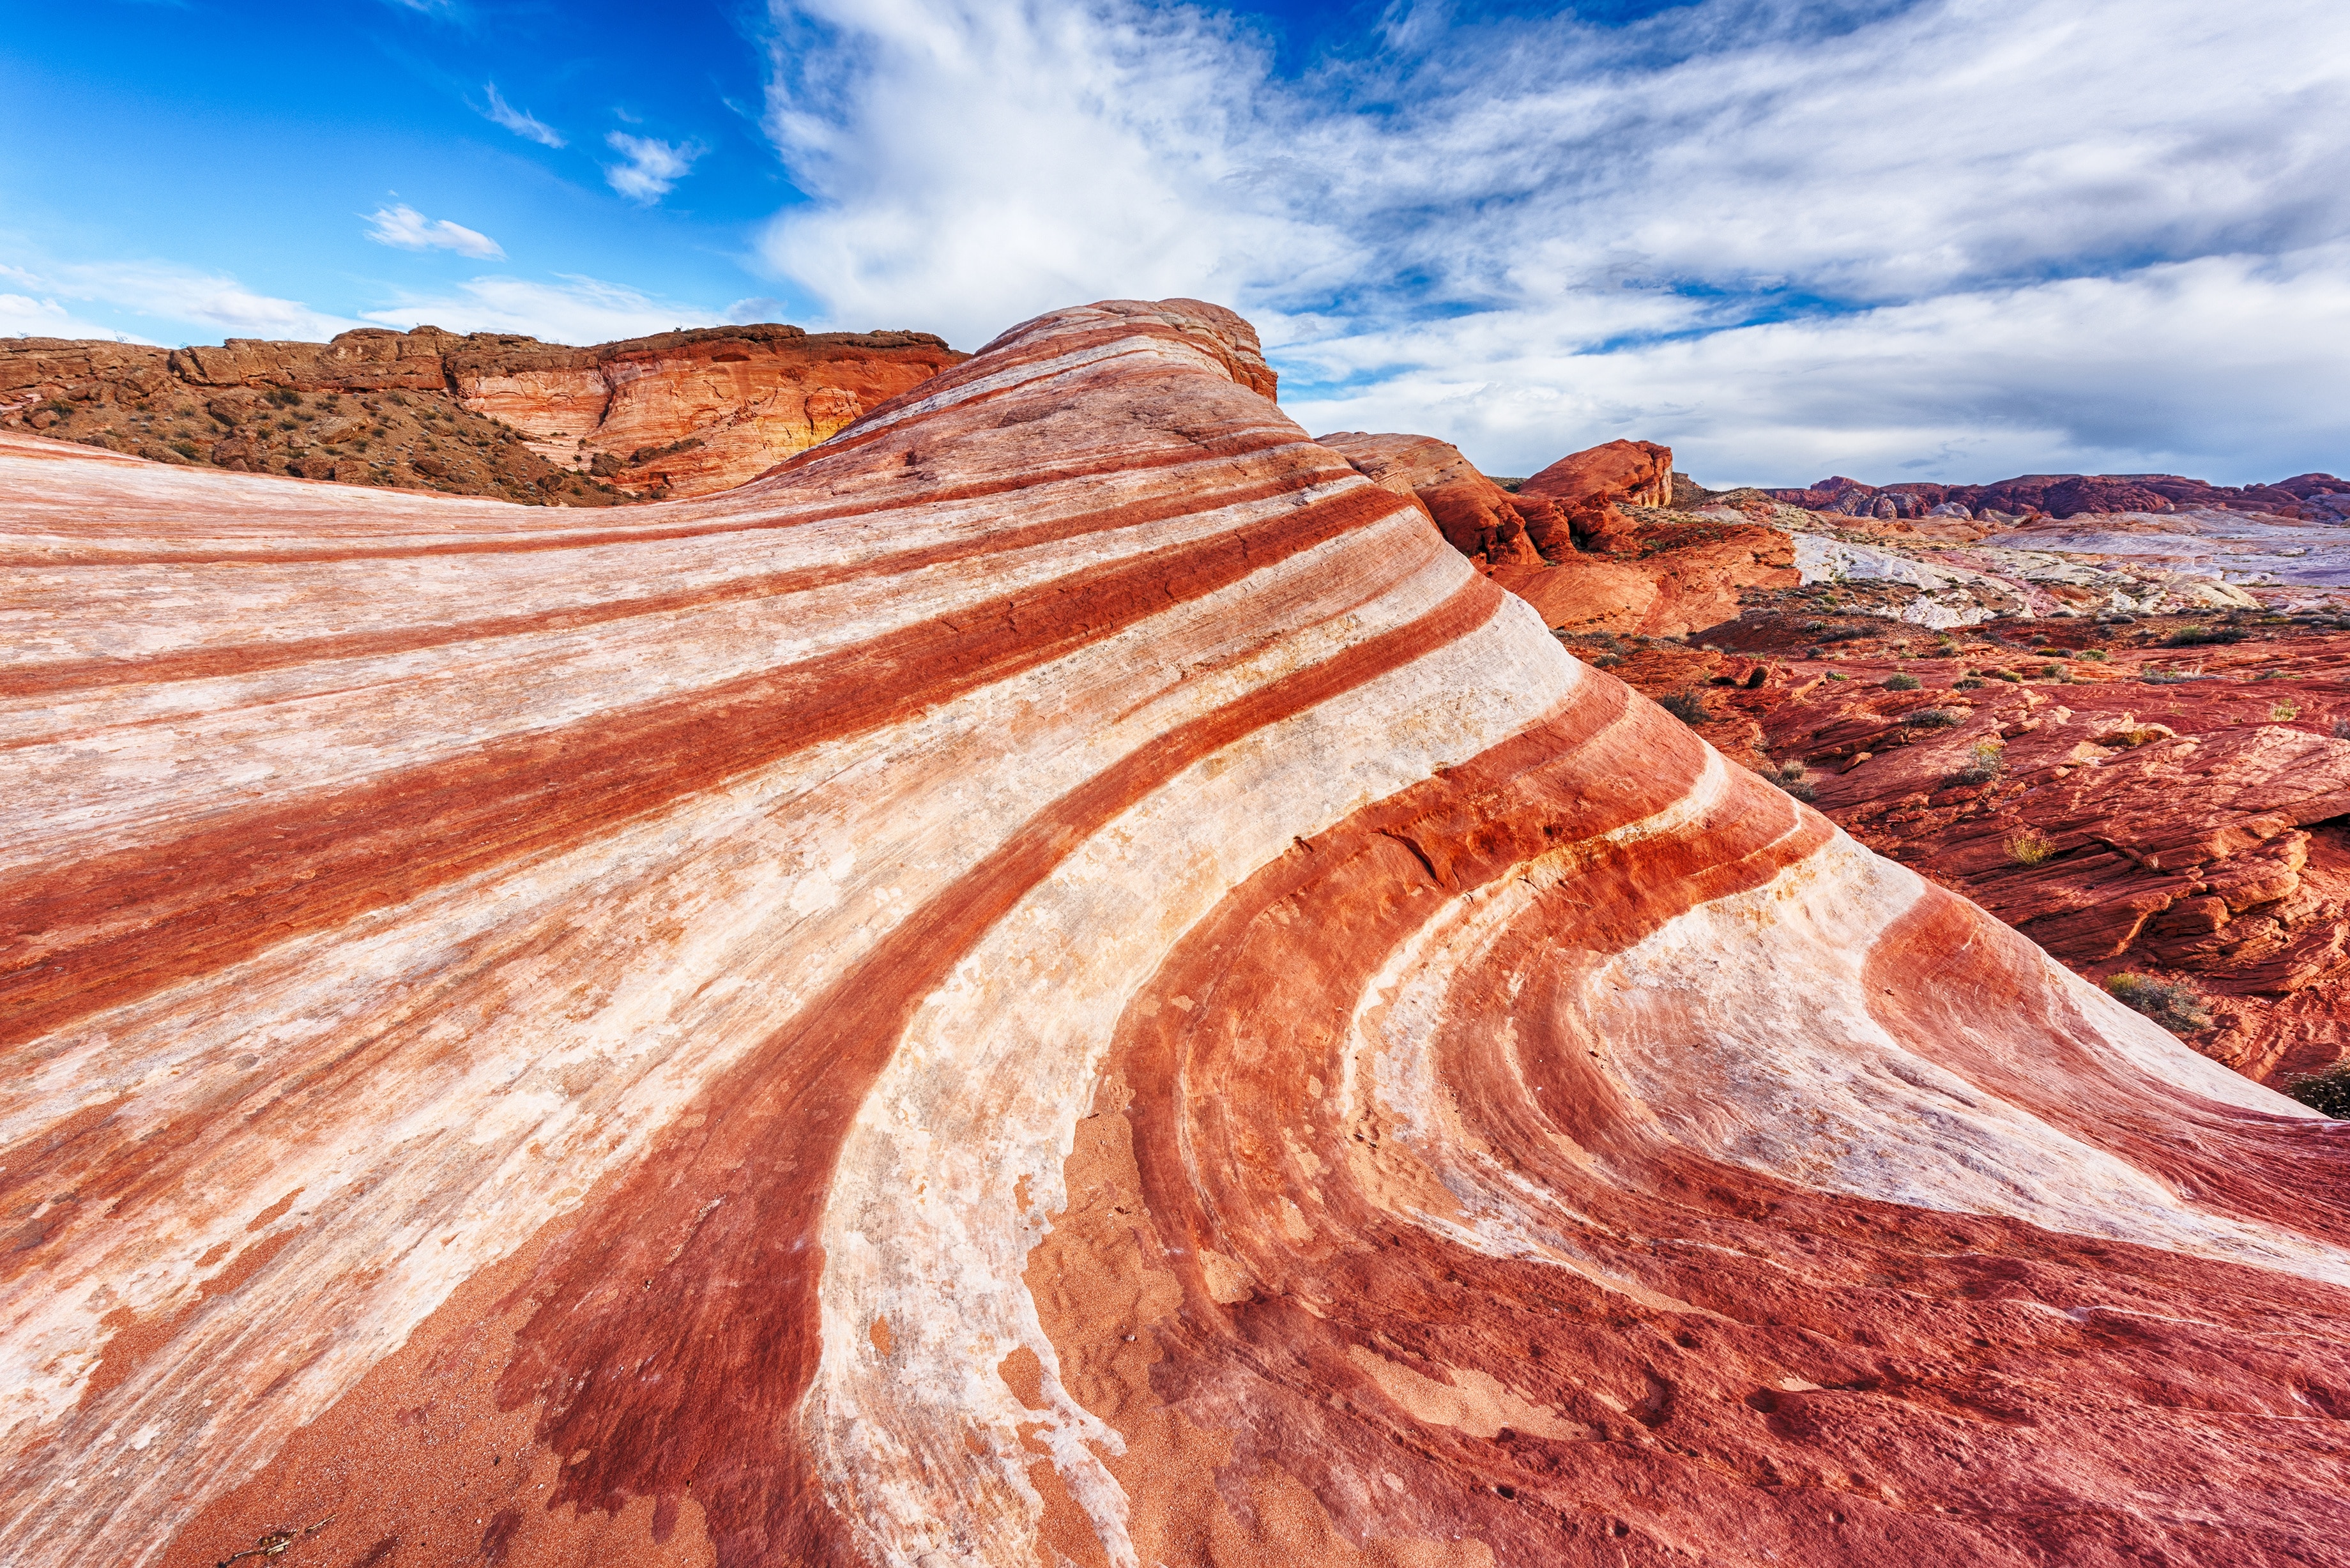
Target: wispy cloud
x,y
653,166
407,229
576,310
162,292
1774,230
522,124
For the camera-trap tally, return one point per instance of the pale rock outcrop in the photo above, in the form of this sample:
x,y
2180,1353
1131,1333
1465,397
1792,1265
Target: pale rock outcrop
x,y
1059,978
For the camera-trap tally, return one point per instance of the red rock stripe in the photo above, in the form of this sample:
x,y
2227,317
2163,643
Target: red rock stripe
x,y
247,658
1040,350
678,1326
135,920
2230,1161
1247,442
1900,1442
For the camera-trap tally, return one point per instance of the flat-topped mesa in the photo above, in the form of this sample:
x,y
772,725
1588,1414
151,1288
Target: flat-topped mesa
x,y
681,413
1059,978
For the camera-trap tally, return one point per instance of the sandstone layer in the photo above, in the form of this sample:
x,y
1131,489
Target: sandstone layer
x,y
683,413
1059,979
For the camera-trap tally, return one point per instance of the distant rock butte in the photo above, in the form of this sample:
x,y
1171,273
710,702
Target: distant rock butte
x,y
2317,497
682,413
1059,979
1591,550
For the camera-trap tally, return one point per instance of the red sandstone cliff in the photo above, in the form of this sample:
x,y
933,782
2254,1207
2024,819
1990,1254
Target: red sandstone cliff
x,y
1059,978
683,413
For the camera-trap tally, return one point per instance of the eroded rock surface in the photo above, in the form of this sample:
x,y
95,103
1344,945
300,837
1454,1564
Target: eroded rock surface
x,y
2165,797
1059,980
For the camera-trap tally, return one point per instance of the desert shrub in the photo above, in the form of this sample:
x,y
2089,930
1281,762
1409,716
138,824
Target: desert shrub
x,y
1966,684
2031,848
1934,718
2170,677
2054,672
2177,1007
2195,636
2009,676
1985,761
186,449
1686,706
58,407
2342,729
1838,675
2284,712
1902,683
2053,652
2327,1091
2096,654
1792,776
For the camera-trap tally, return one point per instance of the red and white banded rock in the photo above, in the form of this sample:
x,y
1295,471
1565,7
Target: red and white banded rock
x,y
1058,976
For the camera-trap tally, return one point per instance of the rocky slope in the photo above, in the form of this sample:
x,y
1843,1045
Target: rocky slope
x,y
2169,797
1059,979
683,413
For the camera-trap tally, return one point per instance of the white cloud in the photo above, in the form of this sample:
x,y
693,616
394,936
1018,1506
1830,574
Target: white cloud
x,y
1986,235
521,123
182,296
575,310
652,166
406,228
22,316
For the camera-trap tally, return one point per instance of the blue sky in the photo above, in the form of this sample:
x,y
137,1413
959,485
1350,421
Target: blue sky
x,y
1903,239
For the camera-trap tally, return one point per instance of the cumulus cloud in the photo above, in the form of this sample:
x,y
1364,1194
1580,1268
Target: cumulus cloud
x,y
162,291
1956,234
576,310
652,166
407,229
522,124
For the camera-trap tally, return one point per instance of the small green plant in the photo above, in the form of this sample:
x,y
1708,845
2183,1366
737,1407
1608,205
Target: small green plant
x,y
2195,636
2031,848
1793,778
1966,684
1986,761
2096,654
1838,675
186,449
2053,652
2009,676
1898,683
2284,712
1934,718
2327,1091
2170,677
1686,706
2177,1007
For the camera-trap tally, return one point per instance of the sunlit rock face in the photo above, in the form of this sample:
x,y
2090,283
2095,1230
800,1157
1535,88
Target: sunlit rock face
x,y
689,413
1059,979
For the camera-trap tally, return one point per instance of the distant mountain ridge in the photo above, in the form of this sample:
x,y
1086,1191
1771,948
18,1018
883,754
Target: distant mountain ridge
x,y
2315,496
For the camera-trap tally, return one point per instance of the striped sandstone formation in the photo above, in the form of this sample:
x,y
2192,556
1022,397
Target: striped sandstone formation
x,y
1058,980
